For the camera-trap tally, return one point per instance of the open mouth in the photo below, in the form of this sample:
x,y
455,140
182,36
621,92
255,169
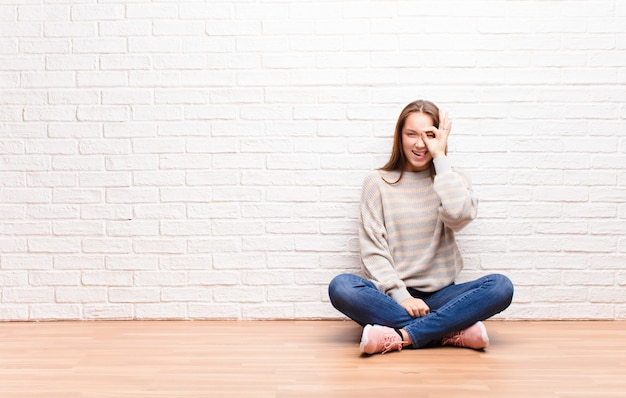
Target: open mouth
x,y
420,155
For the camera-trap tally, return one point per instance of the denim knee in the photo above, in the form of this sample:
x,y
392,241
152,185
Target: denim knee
x,y
337,290
338,286
504,286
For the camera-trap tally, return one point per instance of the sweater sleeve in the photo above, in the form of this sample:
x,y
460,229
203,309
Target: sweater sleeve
x,y
375,254
459,205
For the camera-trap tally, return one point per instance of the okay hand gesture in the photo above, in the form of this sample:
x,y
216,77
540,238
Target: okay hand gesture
x,y
436,139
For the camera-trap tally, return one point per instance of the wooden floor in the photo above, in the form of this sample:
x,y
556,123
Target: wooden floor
x,y
303,359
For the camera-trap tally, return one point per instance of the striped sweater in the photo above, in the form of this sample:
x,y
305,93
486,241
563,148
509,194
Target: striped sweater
x,y
407,229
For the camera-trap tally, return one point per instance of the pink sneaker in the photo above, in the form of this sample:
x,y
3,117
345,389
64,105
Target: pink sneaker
x,y
474,337
381,339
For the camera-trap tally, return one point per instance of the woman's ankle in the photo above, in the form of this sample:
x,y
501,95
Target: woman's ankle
x,y
406,340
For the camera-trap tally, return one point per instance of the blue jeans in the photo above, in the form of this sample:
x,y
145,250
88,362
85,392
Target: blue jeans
x,y
452,308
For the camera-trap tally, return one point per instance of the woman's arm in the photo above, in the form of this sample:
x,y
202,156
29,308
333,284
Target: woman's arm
x,y
376,257
459,205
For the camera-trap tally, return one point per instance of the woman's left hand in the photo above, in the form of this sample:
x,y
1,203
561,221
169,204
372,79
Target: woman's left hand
x,y
436,139
416,307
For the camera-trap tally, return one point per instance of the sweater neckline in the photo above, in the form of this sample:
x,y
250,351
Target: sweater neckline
x,y
407,175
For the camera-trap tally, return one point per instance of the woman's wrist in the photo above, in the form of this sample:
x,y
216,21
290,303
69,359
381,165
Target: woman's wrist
x,y
438,154
442,164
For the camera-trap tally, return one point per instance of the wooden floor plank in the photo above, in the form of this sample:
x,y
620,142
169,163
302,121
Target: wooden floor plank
x,y
303,359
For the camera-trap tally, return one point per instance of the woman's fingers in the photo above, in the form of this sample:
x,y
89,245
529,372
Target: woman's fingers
x,y
445,123
415,307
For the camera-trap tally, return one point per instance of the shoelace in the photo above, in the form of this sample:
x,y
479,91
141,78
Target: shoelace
x,y
390,345
455,339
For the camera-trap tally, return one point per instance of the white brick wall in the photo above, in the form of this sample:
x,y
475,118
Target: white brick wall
x,y
203,159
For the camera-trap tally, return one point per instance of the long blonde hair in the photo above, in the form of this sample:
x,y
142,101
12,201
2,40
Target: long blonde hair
x,y
397,160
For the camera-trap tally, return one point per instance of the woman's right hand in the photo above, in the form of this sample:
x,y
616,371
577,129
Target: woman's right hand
x,y
415,307
436,139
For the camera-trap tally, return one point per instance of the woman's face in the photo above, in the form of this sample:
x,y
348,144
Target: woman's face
x,y
415,150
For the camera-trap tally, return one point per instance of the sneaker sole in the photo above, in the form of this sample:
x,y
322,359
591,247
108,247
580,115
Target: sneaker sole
x,y
364,339
484,333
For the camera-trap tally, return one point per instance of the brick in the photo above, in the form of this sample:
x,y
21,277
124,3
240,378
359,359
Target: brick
x,y
239,294
78,262
74,97
132,195
130,130
14,278
80,294
14,312
133,295
78,228
217,11
180,96
216,145
236,261
159,246
185,262
187,161
186,294
131,263
23,262
131,163
161,311
159,212
53,245
27,295
43,13
192,195
106,212
268,312
107,278
153,78
126,96
214,278
124,62
75,130
185,228
316,311
586,311
214,311
211,245
293,294
159,178
111,179
66,62
300,260
99,45
49,312
237,228
132,228
241,194
54,79
102,12
263,244
108,311
151,11
106,246
103,113
160,278
15,97
69,29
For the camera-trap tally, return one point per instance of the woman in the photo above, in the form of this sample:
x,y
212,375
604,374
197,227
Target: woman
x,y
410,210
